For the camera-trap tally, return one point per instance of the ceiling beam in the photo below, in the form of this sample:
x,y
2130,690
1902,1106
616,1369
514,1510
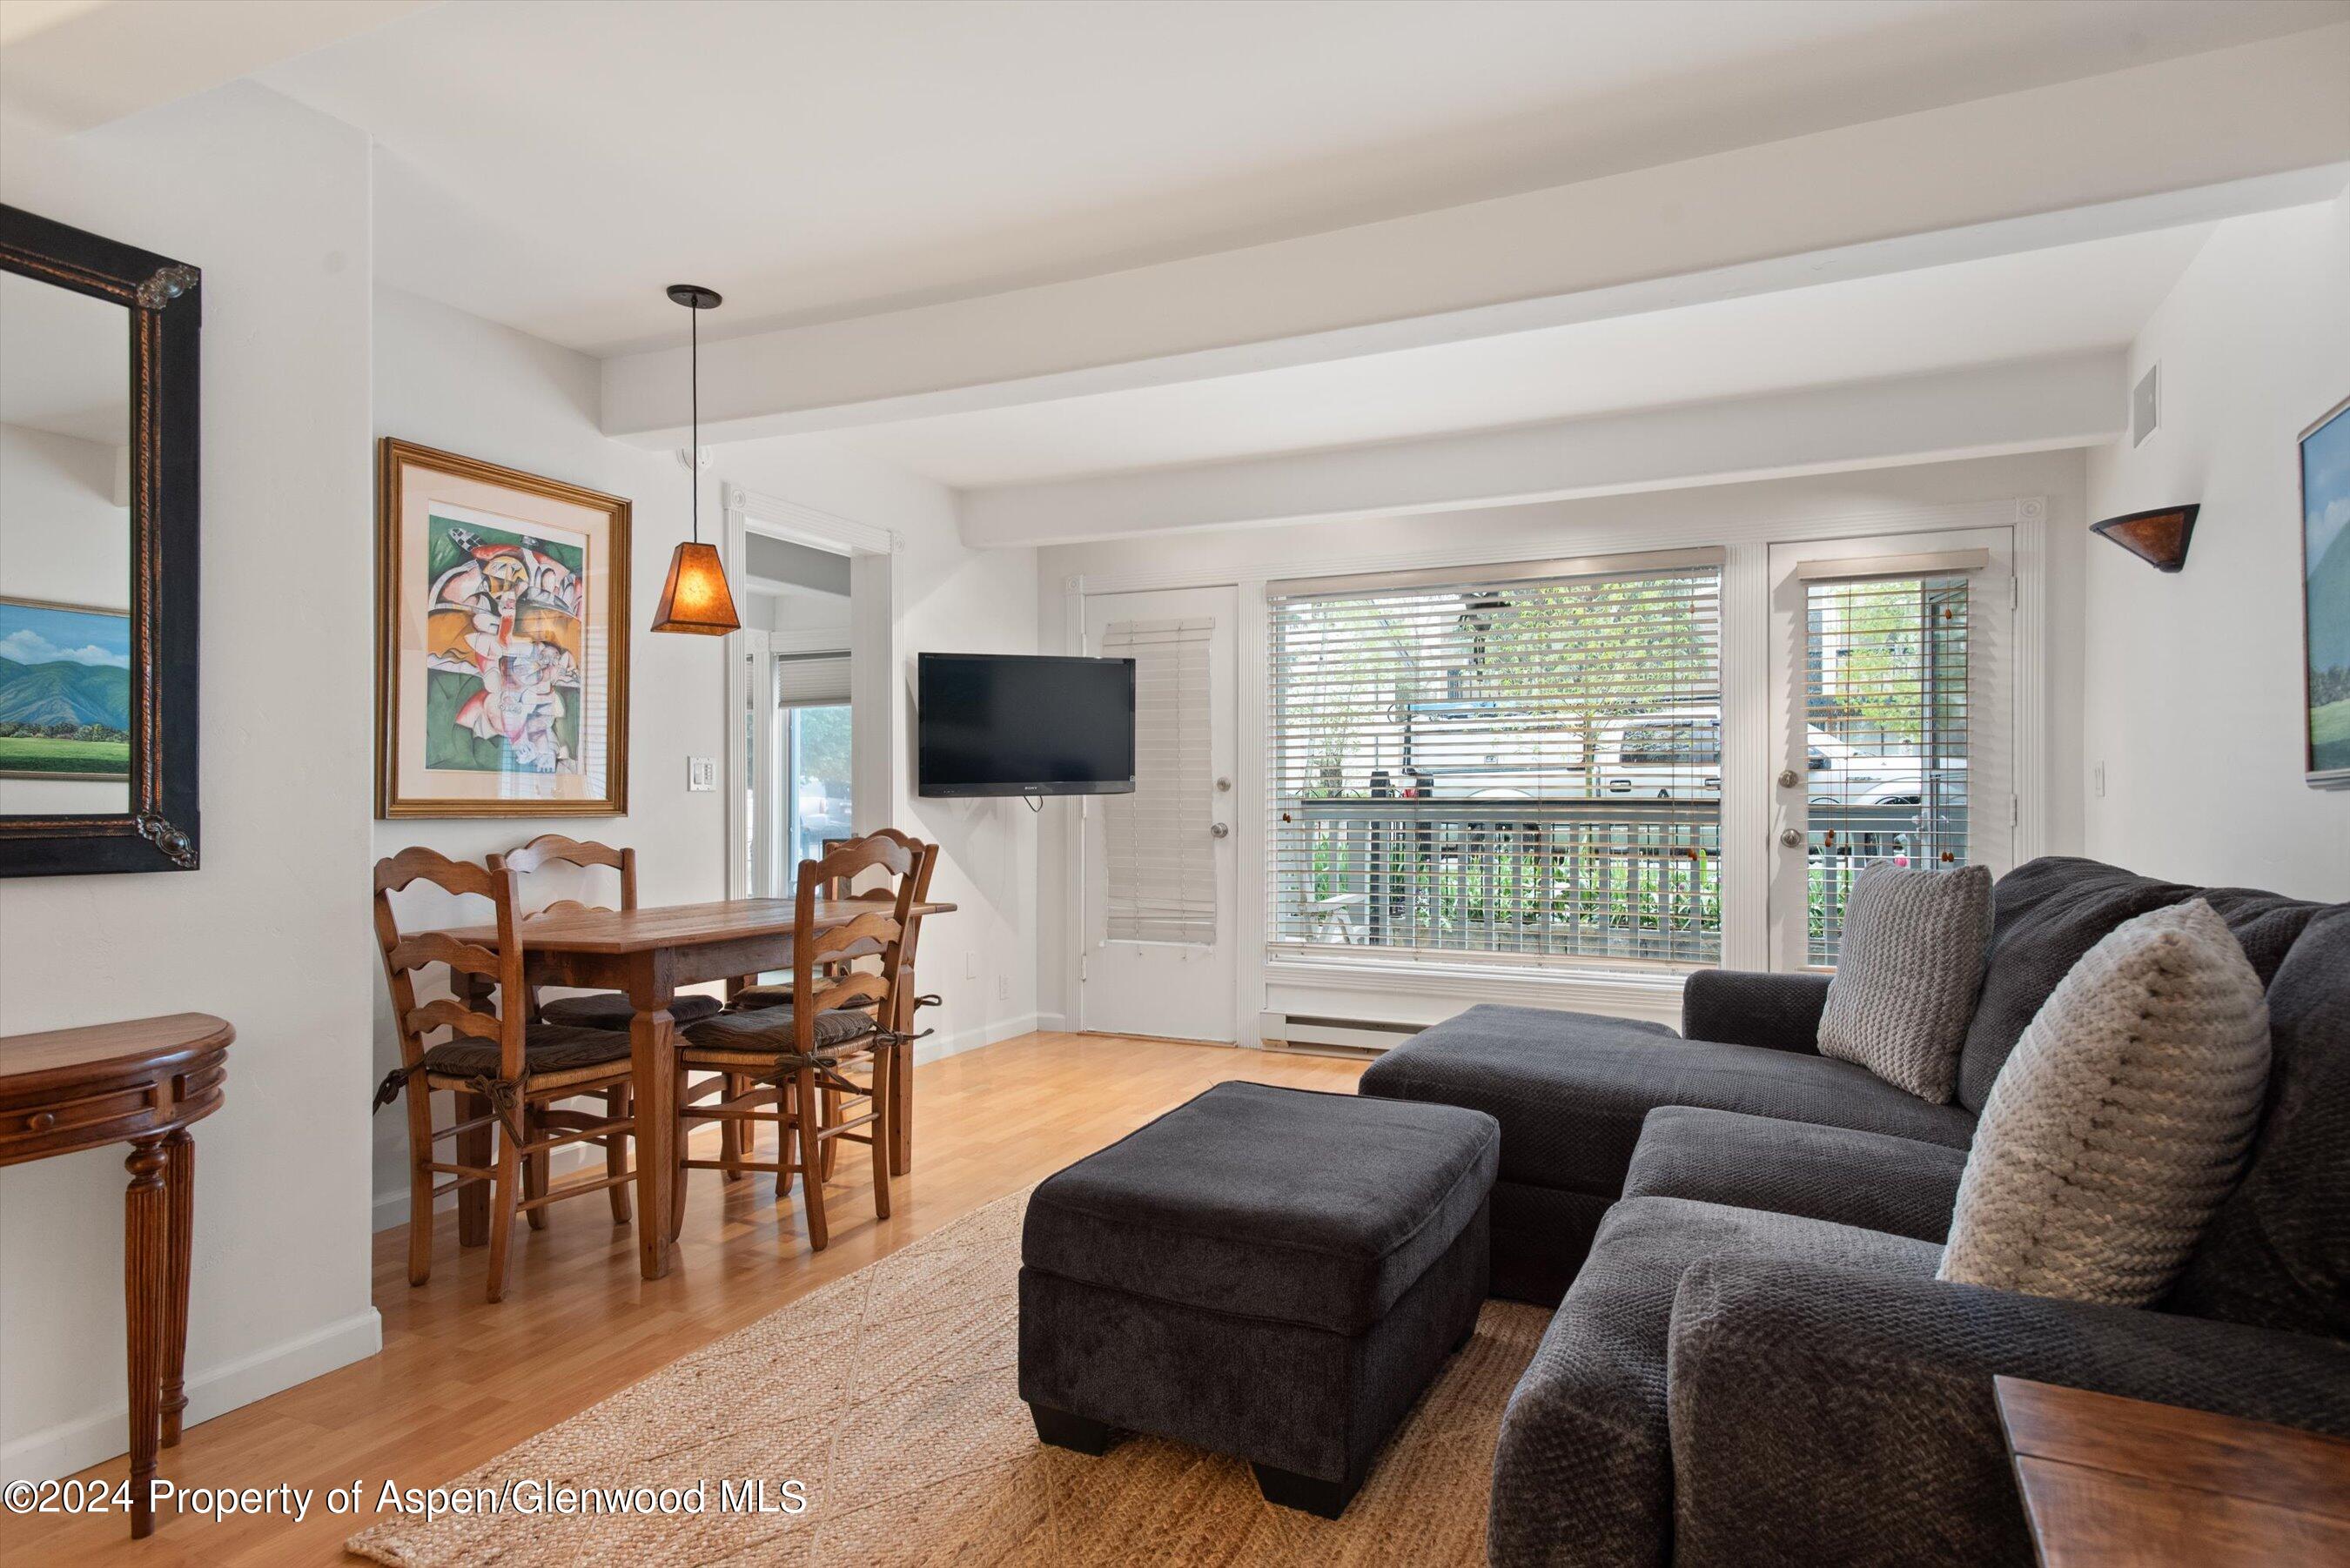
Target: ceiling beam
x,y
73,65
2191,139
2039,405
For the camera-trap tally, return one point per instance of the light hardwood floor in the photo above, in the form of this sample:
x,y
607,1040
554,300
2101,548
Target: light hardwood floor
x,y
460,1380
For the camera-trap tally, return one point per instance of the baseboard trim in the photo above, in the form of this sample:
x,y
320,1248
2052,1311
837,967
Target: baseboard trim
x,y
103,1435
939,1046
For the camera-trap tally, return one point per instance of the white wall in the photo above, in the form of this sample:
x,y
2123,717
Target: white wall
x,y
2194,680
981,959
63,537
272,200
1789,509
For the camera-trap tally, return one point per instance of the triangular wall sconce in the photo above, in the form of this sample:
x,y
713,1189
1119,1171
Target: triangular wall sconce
x,y
2157,537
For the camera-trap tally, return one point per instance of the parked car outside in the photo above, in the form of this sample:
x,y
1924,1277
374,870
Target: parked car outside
x,y
1484,751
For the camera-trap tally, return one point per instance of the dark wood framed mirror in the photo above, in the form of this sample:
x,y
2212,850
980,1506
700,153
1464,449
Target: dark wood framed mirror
x,y
99,570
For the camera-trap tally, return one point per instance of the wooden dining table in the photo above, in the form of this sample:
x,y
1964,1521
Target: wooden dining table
x,y
649,953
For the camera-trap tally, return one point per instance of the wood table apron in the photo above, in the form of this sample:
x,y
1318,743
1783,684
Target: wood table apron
x,y
647,953
144,1083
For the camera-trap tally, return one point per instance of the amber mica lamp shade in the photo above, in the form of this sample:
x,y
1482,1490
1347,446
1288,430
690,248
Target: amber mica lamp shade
x,y
696,597
2157,537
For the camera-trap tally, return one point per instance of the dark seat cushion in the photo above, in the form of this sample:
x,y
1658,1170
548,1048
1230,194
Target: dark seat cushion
x,y
610,1010
1571,1089
2278,1252
774,1031
1905,1187
547,1048
1265,1202
1584,1469
2047,913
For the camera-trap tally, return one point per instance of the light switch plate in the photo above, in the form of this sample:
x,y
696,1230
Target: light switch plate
x,y
701,773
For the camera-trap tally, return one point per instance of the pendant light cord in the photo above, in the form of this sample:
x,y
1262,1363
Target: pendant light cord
x,y
694,457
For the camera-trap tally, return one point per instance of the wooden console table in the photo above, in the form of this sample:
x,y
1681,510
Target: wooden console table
x,y
143,1082
2109,1481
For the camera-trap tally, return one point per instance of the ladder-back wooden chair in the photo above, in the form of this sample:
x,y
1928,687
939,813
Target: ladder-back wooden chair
x,y
593,1009
503,1070
750,993
797,1057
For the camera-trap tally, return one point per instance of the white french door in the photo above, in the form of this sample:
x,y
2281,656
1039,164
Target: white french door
x,y
1161,864
1893,719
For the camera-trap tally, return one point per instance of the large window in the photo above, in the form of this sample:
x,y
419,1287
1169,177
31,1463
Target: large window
x,y
1518,761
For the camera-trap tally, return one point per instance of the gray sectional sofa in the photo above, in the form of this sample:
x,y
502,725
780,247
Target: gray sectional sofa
x,y
1752,1361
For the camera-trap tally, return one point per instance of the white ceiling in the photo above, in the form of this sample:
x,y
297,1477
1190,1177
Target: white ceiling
x,y
2025,306
552,167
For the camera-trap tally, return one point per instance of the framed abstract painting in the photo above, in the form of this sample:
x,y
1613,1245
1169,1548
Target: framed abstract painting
x,y
2325,597
502,664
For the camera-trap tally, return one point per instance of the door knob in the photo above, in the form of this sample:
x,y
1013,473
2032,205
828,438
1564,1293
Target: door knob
x,y
1789,778
1218,830
1793,837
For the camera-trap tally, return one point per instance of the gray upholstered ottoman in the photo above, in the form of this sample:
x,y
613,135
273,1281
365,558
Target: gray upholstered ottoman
x,y
1269,1273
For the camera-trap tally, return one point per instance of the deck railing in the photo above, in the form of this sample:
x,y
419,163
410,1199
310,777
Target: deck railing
x,y
1574,879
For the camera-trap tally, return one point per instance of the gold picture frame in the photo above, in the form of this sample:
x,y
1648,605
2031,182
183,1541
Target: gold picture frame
x,y
502,651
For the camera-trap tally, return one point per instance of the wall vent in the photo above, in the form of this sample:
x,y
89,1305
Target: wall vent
x,y
2145,405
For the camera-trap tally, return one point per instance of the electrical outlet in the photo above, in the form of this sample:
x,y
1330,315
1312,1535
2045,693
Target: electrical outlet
x,y
1003,987
701,773
2100,780
970,966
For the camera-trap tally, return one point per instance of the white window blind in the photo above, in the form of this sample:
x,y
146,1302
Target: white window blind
x,y
1886,705
1517,762
1159,882
811,680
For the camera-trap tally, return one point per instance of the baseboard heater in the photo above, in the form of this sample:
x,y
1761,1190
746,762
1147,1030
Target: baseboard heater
x,y
1309,1032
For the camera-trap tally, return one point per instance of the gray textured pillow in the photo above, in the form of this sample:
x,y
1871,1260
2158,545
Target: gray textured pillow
x,y
2121,1121
1908,968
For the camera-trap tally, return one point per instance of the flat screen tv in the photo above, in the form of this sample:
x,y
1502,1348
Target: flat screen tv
x,y
1020,724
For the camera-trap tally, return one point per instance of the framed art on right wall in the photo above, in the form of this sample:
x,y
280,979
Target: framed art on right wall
x,y
2325,597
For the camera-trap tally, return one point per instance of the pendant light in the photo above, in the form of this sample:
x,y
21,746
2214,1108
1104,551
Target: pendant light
x,y
696,598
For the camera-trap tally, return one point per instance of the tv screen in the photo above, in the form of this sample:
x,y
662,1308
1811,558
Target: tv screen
x,y
1008,724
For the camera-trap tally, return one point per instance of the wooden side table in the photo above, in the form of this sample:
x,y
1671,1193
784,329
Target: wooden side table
x,y
2108,1480
143,1082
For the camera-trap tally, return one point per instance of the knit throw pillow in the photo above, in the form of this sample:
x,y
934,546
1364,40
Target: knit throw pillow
x,y
2121,1121
1907,967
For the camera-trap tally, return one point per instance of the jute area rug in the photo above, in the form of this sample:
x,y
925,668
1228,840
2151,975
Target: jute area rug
x,y
890,1396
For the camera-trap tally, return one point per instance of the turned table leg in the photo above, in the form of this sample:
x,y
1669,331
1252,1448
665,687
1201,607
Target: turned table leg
x,y
179,1185
475,1150
146,1267
652,1055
